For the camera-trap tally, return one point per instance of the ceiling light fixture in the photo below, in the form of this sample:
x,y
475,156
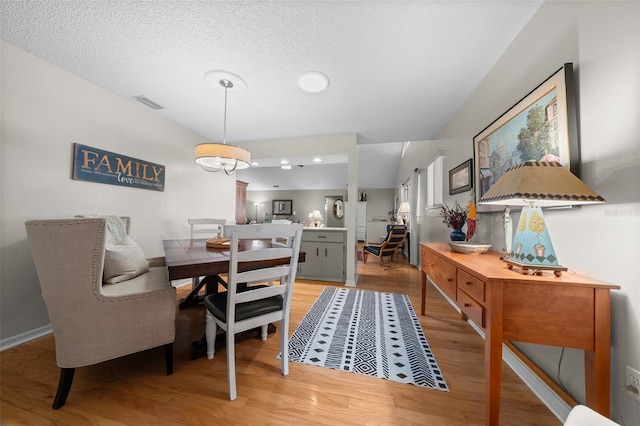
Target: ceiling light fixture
x,y
313,82
214,157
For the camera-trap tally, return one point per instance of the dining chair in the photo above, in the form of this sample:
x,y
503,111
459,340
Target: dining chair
x,y
204,228
396,235
256,304
278,240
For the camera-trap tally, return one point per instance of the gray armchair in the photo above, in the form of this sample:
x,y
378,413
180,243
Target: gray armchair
x,y
92,321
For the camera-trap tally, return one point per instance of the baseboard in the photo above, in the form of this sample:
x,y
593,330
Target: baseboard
x,y
544,392
25,337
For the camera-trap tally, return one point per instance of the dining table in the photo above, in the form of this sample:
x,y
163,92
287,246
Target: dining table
x,y
190,258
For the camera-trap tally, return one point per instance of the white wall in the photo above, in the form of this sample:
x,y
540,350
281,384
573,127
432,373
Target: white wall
x,y
602,39
44,111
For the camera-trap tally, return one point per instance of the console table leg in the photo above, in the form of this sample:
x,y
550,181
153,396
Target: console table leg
x,y
597,362
493,355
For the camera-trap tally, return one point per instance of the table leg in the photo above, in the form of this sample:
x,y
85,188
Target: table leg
x,y
597,362
193,298
493,354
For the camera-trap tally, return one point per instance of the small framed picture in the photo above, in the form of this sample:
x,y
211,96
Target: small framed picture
x,y
461,177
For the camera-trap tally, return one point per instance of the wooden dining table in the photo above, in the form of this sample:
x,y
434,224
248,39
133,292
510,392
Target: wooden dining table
x,y
186,258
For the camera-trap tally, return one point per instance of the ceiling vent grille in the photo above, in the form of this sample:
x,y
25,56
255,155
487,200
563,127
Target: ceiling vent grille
x,y
148,102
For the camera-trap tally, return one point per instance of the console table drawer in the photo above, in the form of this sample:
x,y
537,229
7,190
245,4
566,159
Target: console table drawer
x,y
471,308
471,285
443,274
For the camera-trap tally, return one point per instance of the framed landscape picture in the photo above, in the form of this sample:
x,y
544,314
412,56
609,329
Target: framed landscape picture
x,y
461,178
542,126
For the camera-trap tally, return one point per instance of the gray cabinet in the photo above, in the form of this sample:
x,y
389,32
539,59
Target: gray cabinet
x,y
325,254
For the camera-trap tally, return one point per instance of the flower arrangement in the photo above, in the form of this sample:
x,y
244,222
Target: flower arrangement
x,y
455,217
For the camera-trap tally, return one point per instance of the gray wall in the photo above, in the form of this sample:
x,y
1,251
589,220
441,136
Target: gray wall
x,y
44,111
602,39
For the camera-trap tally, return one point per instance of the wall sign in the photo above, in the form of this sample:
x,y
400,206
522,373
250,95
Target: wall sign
x,y
97,165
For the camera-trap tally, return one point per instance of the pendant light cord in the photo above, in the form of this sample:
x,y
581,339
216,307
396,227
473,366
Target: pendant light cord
x,y
224,131
226,84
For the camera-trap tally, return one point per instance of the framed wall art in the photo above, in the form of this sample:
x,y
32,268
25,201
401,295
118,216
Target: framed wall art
x,y
542,126
282,207
461,178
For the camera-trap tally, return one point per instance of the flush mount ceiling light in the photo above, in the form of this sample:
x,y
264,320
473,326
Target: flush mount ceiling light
x,y
214,157
313,82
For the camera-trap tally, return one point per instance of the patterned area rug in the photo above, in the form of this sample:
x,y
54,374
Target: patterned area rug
x,y
366,332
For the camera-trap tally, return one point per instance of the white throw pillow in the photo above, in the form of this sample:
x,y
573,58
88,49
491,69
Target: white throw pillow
x,y
124,261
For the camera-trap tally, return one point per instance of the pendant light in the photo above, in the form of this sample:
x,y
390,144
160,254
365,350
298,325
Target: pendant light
x,y
214,157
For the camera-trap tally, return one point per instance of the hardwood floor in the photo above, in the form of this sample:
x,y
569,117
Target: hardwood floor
x,y
134,390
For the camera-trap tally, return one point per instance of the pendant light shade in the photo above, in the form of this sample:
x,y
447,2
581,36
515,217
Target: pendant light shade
x,y
214,157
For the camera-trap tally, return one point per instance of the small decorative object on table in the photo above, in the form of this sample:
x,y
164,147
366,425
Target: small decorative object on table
x,y
455,218
471,220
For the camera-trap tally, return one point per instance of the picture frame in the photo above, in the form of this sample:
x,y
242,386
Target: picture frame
x,y
542,126
282,207
461,177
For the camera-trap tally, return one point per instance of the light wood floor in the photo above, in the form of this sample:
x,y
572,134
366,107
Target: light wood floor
x,y
134,390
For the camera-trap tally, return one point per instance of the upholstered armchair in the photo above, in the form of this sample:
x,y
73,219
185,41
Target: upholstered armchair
x,y
396,235
94,321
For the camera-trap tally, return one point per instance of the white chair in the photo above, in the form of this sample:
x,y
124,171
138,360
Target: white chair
x,y
203,228
206,228
247,307
277,240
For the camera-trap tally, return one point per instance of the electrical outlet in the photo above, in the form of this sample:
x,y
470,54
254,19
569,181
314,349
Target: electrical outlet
x,y
632,378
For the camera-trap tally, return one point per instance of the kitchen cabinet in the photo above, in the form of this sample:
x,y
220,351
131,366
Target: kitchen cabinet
x,y
325,254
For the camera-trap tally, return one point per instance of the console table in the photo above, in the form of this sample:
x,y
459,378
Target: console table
x,y
570,311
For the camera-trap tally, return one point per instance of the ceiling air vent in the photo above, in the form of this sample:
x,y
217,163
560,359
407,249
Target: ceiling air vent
x,y
148,102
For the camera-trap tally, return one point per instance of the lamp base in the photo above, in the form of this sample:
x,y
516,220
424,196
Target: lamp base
x,y
536,269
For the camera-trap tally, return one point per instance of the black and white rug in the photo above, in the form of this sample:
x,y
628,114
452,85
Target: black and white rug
x,y
366,332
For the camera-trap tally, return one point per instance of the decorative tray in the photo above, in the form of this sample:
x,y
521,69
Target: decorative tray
x,y
218,242
468,247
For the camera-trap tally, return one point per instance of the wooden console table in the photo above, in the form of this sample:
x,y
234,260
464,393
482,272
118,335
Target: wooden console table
x,y
570,311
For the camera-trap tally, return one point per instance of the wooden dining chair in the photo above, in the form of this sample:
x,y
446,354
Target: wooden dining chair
x,y
255,304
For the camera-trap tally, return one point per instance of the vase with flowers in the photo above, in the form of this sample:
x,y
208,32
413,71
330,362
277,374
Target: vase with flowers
x,y
455,218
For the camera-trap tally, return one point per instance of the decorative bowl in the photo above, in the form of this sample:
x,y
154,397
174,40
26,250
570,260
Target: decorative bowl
x,y
469,247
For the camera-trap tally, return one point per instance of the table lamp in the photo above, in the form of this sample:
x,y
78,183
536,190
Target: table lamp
x,y
316,217
404,209
532,185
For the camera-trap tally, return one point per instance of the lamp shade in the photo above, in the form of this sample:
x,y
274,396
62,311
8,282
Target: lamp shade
x,y
315,215
532,185
404,207
546,183
213,157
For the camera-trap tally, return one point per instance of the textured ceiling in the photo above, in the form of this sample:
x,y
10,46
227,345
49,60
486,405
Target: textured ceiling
x,y
398,70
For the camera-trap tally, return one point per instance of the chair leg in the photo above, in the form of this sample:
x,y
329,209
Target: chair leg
x,y
231,364
210,331
284,346
364,256
168,357
64,385
264,332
